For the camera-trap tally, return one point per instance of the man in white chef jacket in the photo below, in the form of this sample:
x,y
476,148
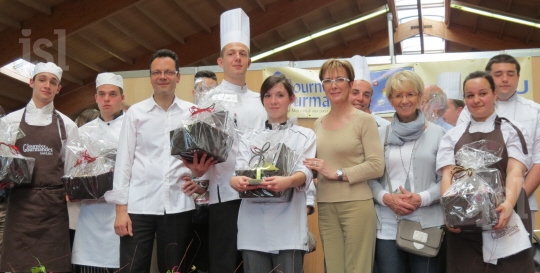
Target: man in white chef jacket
x,y
96,246
362,91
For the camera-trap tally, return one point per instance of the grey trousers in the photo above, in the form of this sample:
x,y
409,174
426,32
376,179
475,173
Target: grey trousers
x,y
290,261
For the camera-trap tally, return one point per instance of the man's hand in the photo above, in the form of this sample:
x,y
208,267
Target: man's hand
x,y
122,224
200,167
191,187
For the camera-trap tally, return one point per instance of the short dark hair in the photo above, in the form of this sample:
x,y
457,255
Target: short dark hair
x,y
479,74
166,53
503,58
458,103
206,74
272,81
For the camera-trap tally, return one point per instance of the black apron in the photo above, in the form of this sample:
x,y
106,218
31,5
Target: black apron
x,y
464,250
37,224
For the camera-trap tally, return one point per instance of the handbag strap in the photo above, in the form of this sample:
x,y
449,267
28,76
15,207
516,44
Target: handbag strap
x,y
385,165
386,175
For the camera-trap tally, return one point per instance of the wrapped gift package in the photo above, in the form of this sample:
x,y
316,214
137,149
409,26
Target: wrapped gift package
x,y
88,187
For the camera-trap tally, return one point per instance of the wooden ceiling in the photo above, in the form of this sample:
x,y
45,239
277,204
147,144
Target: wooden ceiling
x,y
120,35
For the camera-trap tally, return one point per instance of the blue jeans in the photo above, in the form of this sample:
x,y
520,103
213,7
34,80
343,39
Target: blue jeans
x,y
391,259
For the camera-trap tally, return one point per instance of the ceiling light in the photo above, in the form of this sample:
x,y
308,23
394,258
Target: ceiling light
x,y
493,14
318,34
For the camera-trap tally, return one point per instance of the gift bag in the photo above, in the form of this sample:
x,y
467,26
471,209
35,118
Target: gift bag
x,y
208,131
268,156
476,190
14,167
92,174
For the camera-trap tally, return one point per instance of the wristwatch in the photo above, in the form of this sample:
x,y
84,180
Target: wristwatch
x,y
339,173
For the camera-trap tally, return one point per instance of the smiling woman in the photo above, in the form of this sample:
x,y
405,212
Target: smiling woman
x,y
409,188
348,154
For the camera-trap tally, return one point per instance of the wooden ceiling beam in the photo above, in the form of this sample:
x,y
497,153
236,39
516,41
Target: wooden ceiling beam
x,y
70,16
447,13
392,6
203,44
483,40
360,46
133,34
78,59
195,18
531,30
72,78
10,23
37,6
160,23
220,2
117,54
261,5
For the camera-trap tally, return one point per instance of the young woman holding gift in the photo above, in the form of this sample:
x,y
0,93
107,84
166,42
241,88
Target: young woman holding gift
x,y
273,236
464,249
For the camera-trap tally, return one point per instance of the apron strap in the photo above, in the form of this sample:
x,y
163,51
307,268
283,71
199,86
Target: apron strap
x,y
520,134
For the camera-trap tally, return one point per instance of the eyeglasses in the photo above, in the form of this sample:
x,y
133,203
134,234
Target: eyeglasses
x,y
400,96
329,82
167,73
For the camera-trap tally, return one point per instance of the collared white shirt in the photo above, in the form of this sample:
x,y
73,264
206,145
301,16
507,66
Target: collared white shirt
x,y
146,177
525,114
249,113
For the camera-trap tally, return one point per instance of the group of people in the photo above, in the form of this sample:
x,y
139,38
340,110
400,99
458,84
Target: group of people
x,y
369,173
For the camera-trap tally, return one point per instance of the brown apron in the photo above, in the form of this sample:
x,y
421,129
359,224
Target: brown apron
x,y
37,224
464,250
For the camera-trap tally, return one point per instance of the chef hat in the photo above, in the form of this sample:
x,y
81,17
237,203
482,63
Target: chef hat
x,y
234,27
109,78
48,67
450,83
361,69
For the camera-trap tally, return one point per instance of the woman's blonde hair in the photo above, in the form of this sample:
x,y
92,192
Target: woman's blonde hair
x,y
405,79
335,64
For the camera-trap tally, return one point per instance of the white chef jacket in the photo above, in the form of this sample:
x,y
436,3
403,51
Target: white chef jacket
x,y
381,122
525,114
96,243
146,177
248,114
43,117
270,227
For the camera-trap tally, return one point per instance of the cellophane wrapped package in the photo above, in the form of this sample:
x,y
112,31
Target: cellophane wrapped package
x,y
268,156
476,190
14,167
92,174
209,130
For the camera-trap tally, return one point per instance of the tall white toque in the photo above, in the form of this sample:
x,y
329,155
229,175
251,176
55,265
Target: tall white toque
x,y
234,27
361,69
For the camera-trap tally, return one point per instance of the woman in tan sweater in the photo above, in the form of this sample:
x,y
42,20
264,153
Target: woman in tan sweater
x,y
348,154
